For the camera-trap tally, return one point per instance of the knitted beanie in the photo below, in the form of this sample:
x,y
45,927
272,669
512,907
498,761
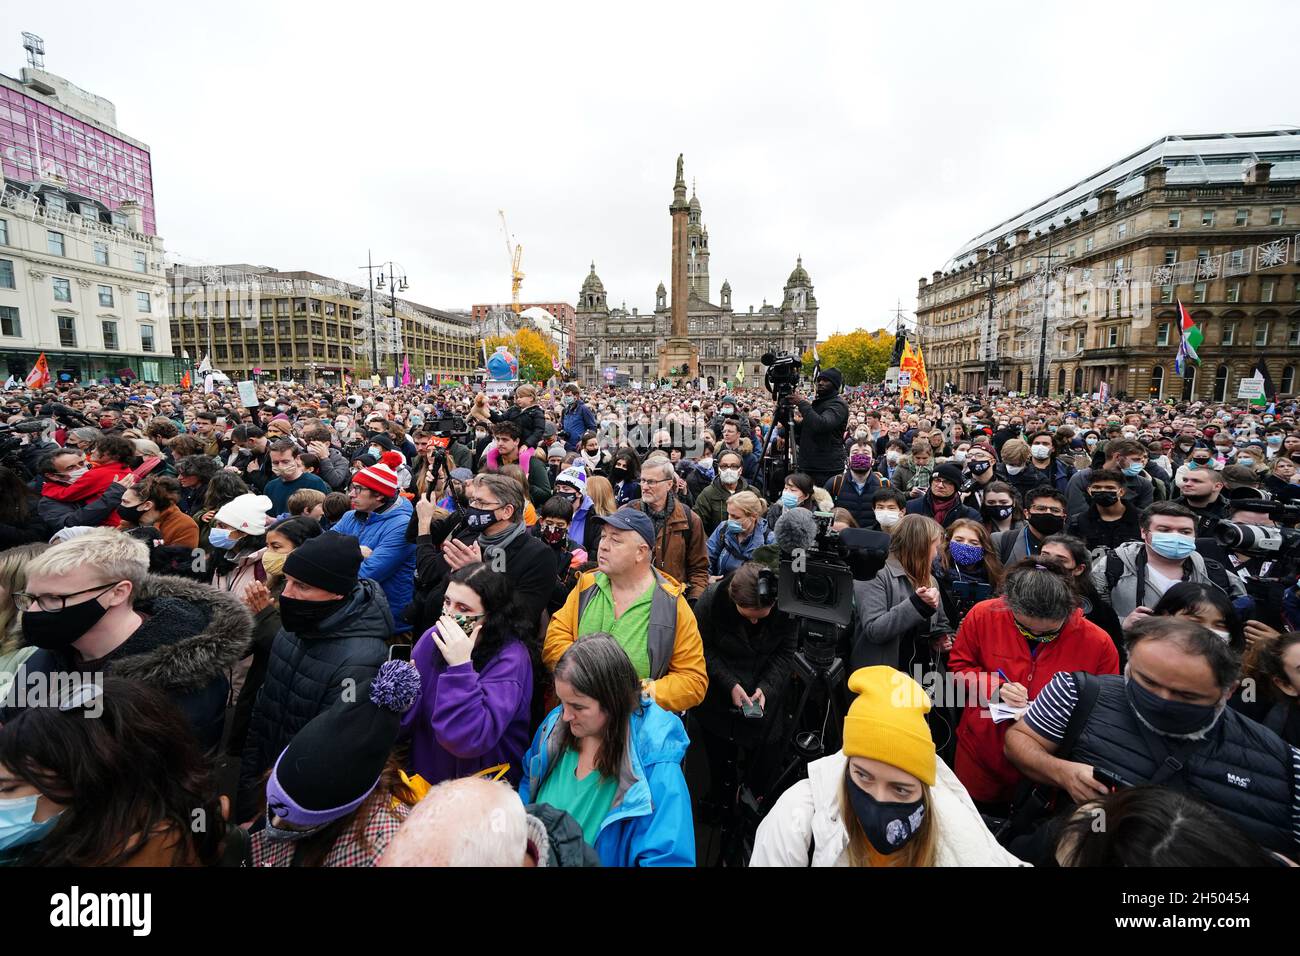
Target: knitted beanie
x,y
247,513
329,561
886,721
381,477
573,476
334,763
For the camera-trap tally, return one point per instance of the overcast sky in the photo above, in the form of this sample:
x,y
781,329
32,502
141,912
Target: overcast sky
x,y
873,140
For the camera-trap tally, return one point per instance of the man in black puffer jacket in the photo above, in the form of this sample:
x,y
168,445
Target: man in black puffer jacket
x,y
819,428
333,637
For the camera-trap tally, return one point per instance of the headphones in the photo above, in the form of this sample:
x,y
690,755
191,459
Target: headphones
x,y
767,587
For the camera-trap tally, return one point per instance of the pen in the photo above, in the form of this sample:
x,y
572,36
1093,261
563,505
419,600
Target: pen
x,y
1005,678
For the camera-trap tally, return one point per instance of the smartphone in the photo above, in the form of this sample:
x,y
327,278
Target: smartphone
x,y
972,590
400,652
752,709
1113,781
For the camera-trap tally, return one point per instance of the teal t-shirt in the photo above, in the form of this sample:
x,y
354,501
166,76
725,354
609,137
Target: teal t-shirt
x,y
587,800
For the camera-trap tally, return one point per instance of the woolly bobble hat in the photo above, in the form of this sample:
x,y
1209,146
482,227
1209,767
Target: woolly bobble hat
x,y
247,513
381,477
334,763
573,476
886,722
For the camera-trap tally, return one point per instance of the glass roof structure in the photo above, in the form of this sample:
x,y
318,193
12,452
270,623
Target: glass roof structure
x,y
1192,159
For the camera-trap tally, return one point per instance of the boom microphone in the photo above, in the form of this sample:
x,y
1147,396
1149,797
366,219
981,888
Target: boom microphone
x,y
796,530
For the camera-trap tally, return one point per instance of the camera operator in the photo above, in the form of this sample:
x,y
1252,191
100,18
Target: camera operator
x,y
1165,721
819,428
749,648
1201,490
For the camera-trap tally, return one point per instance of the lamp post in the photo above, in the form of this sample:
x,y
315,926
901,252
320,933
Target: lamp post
x,y
1041,391
990,275
395,286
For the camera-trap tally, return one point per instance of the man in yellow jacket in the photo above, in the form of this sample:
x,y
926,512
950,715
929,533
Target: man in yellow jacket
x,y
644,610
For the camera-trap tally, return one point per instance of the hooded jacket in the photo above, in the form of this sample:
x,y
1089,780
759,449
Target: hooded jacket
x,y
1124,597
820,435
531,464
988,640
559,842
727,552
307,674
531,420
649,823
811,809
190,638
711,502
392,557
578,419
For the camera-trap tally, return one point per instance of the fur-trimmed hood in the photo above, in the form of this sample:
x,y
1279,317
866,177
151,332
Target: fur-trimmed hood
x,y
191,634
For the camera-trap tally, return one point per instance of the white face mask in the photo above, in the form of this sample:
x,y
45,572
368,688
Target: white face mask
x,y
729,476
886,518
1041,452
892,457
1015,469
959,457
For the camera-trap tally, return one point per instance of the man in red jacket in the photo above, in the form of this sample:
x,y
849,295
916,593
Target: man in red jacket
x,y
1013,645
109,460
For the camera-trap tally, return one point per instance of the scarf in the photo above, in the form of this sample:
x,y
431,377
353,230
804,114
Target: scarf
x,y
499,542
660,518
941,508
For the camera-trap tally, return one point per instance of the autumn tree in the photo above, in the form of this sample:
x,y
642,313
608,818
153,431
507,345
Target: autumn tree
x,y
861,356
533,350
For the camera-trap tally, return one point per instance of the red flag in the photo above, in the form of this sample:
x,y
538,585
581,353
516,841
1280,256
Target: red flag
x,y
185,379
39,376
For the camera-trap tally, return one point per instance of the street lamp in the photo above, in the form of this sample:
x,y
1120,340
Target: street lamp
x,y
1042,340
990,275
396,284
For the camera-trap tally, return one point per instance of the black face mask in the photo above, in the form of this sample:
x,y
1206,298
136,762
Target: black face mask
x,y
979,467
997,512
127,513
56,630
1047,525
620,474
1104,498
553,535
298,615
1170,718
479,517
887,826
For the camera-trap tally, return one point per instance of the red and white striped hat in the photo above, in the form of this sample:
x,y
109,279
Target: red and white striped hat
x,y
381,477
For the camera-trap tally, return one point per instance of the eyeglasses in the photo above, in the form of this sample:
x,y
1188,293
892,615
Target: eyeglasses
x,y
56,602
1043,510
484,505
656,481
1035,636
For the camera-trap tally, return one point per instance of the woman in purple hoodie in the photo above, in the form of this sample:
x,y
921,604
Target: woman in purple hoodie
x,y
475,708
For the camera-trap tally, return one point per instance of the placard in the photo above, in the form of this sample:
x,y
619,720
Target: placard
x,y
247,394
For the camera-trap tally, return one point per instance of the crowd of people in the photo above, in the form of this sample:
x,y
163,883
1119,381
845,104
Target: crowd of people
x,y
555,628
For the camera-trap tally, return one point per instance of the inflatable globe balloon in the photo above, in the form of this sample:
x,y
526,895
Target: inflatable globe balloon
x,y
502,366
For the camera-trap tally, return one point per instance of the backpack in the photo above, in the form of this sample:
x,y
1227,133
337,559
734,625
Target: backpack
x,y
1216,572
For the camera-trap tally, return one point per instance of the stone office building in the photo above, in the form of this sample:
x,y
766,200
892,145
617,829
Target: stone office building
x,y
1209,220
630,342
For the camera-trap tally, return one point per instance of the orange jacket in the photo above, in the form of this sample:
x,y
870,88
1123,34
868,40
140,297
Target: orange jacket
x,y
177,528
682,684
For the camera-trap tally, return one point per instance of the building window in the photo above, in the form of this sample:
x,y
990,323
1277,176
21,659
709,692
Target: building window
x,y
1198,292
151,371
1261,333
68,331
1087,244
54,243
1207,217
1229,333
146,338
143,303
6,274
101,253
1293,334
1162,334
1175,218
106,296
1166,294
1157,381
62,290
141,262
1221,383
4,232
1112,337
1266,288
1276,217
1234,291
1080,340
1243,217
1237,258
9,323
110,335
1288,379
1171,256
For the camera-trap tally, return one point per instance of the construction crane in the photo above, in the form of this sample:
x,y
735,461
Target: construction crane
x,y
515,252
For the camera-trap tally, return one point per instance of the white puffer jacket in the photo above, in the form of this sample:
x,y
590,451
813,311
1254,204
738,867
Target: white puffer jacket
x,y
813,806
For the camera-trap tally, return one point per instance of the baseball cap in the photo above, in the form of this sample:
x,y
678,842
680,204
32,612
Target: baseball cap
x,y
628,518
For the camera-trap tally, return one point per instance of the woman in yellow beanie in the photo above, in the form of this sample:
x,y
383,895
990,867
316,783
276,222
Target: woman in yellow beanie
x,y
885,799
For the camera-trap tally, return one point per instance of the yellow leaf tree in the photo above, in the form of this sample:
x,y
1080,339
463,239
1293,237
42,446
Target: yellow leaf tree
x,y
861,356
533,350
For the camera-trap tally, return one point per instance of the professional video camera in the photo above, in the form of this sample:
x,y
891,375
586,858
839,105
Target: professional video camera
x,y
782,374
447,429
1281,548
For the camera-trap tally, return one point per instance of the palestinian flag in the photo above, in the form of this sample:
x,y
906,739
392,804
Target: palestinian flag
x,y
1189,341
1270,392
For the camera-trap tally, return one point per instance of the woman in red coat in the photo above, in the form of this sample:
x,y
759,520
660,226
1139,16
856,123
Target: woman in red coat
x,y
1007,649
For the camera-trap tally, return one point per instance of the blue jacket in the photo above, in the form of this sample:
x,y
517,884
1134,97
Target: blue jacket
x,y
724,546
578,523
650,822
577,421
392,559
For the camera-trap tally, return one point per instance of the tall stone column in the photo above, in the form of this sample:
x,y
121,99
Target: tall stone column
x,y
678,350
